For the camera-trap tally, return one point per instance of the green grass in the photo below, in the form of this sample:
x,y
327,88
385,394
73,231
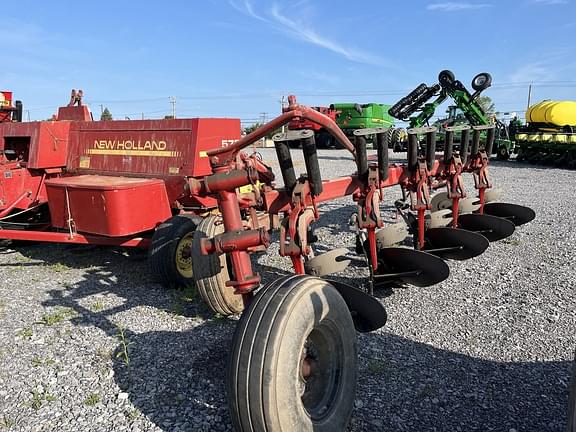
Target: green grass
x,y
37,361
92,399
132,414
25,333
6,422
189,294
513,242
97,306
38,399
22,258
58,267
180,299
376,366
104,354
124,351
57,316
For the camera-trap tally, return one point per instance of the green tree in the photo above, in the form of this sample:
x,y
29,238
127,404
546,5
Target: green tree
x,y
168,117
249,129
486,103
106,114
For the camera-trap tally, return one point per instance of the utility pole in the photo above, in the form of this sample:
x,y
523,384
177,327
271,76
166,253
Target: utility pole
x,y
529,96
101,109
281,111
142,116
173,102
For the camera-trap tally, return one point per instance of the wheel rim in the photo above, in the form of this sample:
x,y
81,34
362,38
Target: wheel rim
x,y
183,256
480,81
320,371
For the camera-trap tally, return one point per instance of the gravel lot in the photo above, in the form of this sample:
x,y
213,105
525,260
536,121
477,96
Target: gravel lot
x,y
89,341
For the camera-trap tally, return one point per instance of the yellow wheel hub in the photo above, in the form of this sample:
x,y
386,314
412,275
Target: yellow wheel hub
x,y
184,256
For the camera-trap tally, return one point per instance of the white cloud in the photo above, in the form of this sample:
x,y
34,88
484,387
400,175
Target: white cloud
x,y
532,72
458,6
301,29
549,2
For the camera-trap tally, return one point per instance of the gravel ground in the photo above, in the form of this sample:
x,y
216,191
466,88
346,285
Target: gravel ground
x,y
88,340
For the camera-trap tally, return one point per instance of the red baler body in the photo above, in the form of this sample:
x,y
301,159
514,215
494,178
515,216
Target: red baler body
x,y
106,178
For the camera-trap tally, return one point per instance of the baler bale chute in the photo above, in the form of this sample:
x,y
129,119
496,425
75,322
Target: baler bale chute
x,y
294,348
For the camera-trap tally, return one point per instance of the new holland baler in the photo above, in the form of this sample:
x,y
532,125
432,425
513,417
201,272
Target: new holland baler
x,y
75,180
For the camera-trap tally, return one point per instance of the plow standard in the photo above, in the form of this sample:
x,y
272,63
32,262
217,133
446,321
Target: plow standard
x,y
186,190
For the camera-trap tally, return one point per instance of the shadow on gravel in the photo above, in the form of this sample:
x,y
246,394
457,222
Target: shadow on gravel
x,y
406,385
177,378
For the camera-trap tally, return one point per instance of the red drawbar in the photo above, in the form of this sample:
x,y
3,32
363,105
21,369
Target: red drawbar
x,y
107,205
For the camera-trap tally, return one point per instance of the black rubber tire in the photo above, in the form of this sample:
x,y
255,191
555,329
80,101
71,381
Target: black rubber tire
x,y
390,133
293,315
166,243
482,81
503,153
211,272
322,140
571,427
446,78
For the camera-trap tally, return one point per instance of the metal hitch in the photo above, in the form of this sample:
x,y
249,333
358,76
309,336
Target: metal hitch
x,y
492,227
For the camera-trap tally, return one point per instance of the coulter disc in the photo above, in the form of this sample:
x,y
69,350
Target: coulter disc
x,y
492,227
456,244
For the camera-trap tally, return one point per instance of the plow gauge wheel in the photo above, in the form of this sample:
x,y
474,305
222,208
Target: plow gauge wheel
x,y
293,364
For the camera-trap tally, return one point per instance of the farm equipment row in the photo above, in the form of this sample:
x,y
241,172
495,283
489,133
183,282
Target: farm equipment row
x,y
186,190
418,107
349,117
549,136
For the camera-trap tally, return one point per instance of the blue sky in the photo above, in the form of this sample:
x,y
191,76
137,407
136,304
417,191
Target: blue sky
x,y
237,58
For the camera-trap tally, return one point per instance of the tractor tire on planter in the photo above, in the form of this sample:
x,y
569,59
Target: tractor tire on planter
x,y
211,272
293,363
503,153
170,256
572,401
